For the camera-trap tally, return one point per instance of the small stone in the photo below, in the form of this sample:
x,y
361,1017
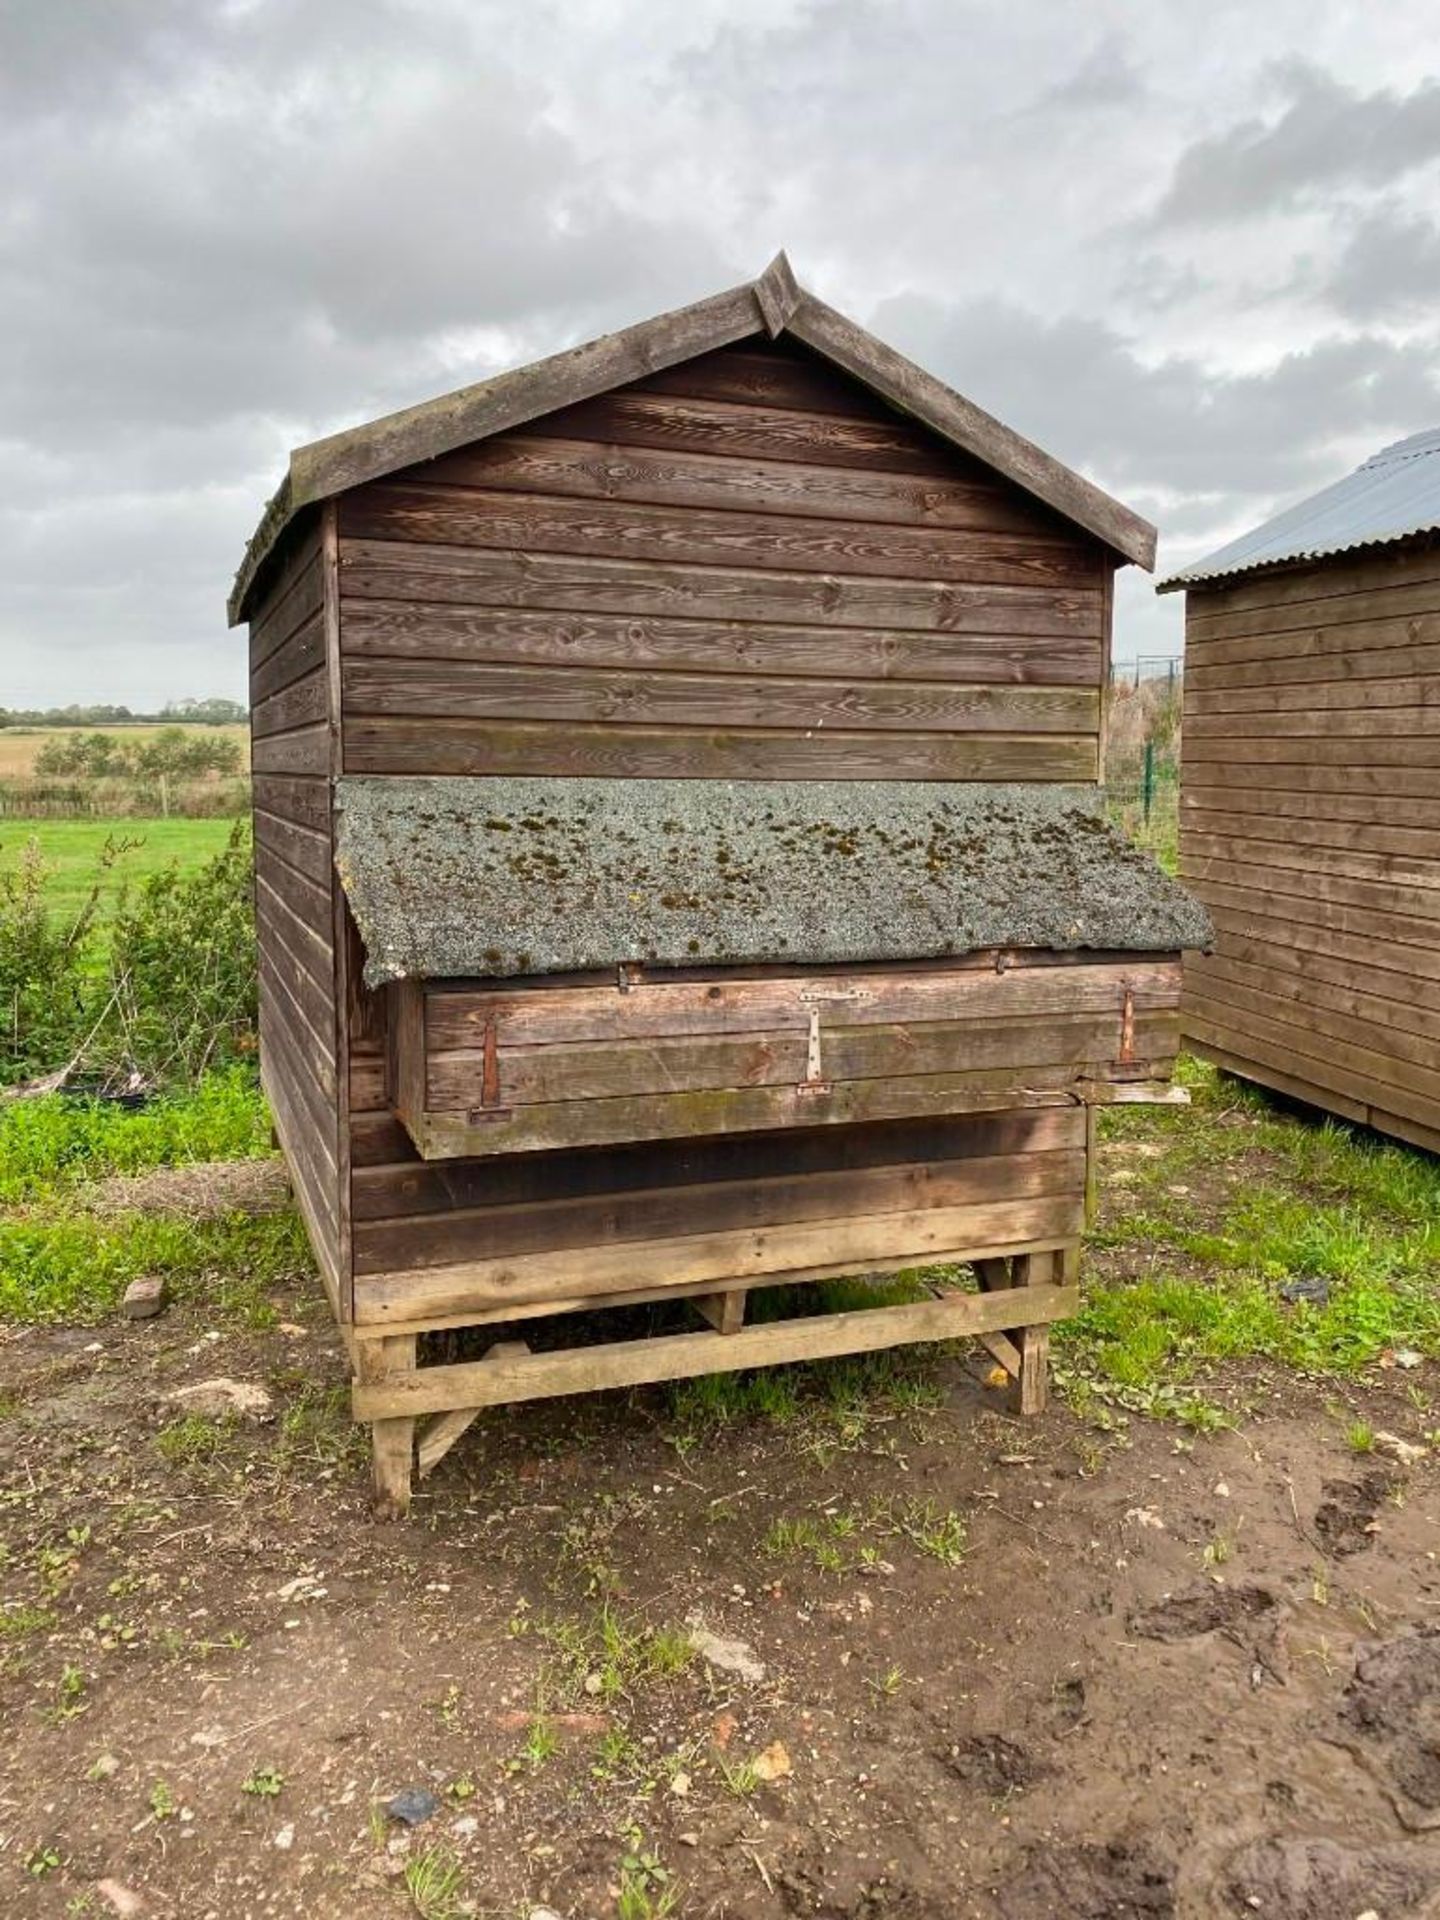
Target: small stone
x,y
593,1684
774,1763
1222,1490
146,1297
1307,1288
542,1913
120,1898
105,1767
730,1656
688,1839
680,1785
413,1806
1408,1452
219,1398
466,1827
284,1839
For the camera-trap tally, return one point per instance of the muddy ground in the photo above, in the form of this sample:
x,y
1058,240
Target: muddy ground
x,y
994,1671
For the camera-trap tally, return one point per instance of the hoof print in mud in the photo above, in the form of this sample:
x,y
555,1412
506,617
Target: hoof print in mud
x,y
1318,1879
1122,1881
1201,1609
990,1763
1345,1519
1392,1707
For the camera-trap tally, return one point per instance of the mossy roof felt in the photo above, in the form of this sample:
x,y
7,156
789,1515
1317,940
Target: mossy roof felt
x,y
500,877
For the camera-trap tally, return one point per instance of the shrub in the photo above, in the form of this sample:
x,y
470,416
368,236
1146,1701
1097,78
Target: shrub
x,y
165,990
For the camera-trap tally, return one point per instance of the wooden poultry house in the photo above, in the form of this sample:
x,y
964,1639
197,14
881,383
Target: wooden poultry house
x,y
680,864
1310,796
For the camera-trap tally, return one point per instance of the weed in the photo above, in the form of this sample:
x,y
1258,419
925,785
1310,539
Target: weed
x,y
647,1891
1218,1550
1360,1437
41,1861
194,1440
264,1783
887,1684
937,1532
70,1701
162,1802
740,1776
433,1879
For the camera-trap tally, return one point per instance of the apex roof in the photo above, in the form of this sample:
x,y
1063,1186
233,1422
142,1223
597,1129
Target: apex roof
x,y
1394,496
775,303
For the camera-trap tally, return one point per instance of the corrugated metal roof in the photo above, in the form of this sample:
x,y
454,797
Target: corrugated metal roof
x,y
451,877
1394,496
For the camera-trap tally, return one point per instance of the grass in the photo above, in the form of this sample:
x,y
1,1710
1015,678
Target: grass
x,y
73,847
1225,1204
51,1145
62,1263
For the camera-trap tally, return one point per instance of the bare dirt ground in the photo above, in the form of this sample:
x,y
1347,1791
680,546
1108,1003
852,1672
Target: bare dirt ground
x,y
994,1671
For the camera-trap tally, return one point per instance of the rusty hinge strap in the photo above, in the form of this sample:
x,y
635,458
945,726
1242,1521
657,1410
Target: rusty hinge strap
x,y
1127,1029
490,1067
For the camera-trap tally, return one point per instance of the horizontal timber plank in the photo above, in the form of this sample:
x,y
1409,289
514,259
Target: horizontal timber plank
x,y
576,1123
296,656
1288,885
456,1016
535,524
1246,772
385,1188
1330,629
398,570
1399,994
1330,666
439,745
304,750
293,598
1366,821
562,1072
1414,1061
1339,580
298,705
306,997
298,845
500,1380
1417,936
1242,918
408,630
1389,676
723,479
305,799
441,1239
778,373
307,902
1351,1072
1418,753
1408,1027
1396,728
455,689
1202,850
750,1253
1310,697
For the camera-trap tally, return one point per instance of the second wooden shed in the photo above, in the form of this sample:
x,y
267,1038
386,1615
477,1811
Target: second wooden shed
x,y
680,864
1310,796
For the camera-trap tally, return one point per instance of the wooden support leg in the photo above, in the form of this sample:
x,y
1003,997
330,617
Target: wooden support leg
x,y
724,1311
378,1362
1034,1270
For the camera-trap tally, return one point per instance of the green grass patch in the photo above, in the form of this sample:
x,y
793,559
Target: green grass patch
x,y
74,1268
72,848
1232,1205
51,1144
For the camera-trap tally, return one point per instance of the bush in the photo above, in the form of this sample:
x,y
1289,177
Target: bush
x,y
164,991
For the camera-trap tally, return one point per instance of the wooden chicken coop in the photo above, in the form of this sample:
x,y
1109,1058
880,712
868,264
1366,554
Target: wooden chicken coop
x,y
1310,796
680,864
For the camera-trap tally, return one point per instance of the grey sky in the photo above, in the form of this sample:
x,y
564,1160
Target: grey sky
x,y
1193,252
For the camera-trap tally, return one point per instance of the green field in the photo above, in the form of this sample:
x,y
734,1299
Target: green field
x,y
73,849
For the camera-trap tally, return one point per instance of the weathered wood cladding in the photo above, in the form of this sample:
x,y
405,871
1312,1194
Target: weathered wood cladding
x,y
301,1053
742,567
1310,826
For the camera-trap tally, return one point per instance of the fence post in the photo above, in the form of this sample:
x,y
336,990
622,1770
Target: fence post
x,y
1149,786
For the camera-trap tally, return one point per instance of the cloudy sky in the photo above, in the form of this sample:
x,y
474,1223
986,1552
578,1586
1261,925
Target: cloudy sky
x,y
1194,251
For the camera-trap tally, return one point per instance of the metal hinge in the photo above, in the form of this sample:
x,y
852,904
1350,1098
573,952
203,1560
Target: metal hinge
x,y
814,1081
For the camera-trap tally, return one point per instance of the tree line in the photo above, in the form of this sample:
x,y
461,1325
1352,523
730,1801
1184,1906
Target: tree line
x,y
193,713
